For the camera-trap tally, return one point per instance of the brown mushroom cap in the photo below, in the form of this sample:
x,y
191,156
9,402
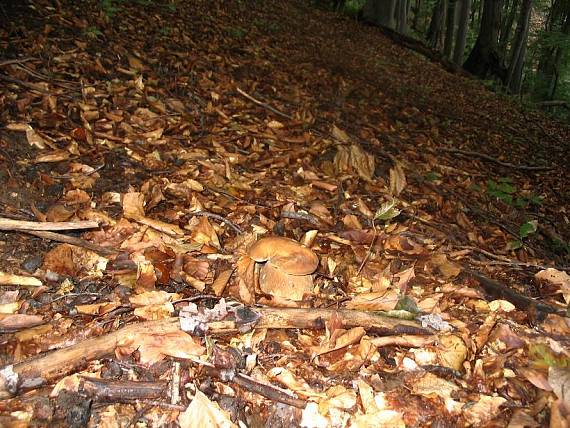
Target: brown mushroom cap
x,y
287,254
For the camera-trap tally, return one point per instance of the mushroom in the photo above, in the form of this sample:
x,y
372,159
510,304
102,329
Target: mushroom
x,y
285,267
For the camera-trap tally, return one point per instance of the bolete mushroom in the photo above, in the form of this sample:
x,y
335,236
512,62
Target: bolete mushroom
x,y
285,267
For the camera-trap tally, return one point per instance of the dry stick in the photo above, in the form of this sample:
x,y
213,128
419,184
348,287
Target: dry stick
x,y
59,237
10,224
301,216
25,84
45,368
217,217
265,105
246,382
121,390
499,290
495,160
16,61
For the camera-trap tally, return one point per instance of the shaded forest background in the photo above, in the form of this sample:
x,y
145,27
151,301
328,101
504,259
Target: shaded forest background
x,y
519,46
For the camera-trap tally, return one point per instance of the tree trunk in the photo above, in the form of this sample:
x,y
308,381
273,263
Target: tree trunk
x,y
416,10
548,70
461,37
435,31
402,25
484,60
514,74
380,12
507,26
449,29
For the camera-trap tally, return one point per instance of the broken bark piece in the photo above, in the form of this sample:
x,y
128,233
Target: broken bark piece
x,y
121,391
10,224
285,267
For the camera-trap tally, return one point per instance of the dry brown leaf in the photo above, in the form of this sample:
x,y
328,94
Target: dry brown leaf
x,y
201,412
397,180
556,277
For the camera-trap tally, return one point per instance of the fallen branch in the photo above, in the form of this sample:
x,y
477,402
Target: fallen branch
x,y
23,280
219,218
521,302
495,160
16,61
265,105
122,391
10,224
46,368
250,384
78,242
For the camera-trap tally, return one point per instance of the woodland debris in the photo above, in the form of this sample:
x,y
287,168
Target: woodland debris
x,y
10,224
46,368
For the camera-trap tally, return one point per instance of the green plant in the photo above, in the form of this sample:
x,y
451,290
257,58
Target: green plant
x,y
502,190
432,176
171,7
92,32
236,32
525,230
505,191
110,7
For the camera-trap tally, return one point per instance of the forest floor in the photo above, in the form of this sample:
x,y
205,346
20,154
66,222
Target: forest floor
x,y
180,133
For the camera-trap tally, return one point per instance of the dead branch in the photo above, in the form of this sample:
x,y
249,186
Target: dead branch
x,y
23,280
219,218
121,390
502,291
495,160
78,242
301,216
250,384
16,61
264,105
45,368
10,224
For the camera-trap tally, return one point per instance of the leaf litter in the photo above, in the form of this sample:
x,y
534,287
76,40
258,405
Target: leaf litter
x,y
191,144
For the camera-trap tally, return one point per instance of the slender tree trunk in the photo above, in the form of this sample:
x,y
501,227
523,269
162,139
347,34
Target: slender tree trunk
x,y
416,9
507,26
380,12
435,31
449,29
484,60
402,25
514,74
461,37
548,70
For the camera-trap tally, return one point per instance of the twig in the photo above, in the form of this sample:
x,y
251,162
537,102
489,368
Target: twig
x,y
25,84
9,224
59,237
26,281
505,261
264,105
495,160
369,252
217,217
121,390
248,383
301,216
16,61
499,290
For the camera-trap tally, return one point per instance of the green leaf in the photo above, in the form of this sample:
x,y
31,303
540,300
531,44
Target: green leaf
x,y
432,176
406,303
528,228
387,211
